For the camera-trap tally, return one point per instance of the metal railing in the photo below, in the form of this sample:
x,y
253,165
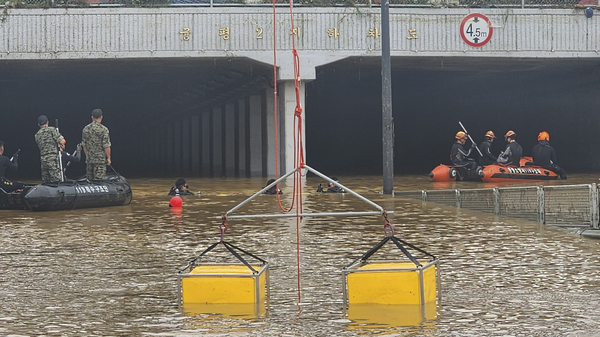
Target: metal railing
x,y
573,205
303,3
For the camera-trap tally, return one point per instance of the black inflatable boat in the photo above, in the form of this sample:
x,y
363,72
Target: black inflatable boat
x,y
114,190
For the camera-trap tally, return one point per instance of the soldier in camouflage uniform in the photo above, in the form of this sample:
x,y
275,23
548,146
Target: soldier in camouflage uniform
x,y
49,140
96,145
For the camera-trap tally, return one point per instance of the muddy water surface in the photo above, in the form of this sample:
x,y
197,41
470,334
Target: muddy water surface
x,y
112,271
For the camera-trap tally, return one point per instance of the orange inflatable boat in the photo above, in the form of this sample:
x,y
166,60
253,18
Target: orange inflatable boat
x,y
454,173
494,173
526,172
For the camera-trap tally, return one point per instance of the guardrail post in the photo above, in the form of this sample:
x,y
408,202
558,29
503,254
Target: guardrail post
x,y
594,206
458,198
496,201
541,203
423,195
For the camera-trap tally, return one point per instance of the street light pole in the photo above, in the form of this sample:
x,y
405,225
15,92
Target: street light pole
x,y
386,101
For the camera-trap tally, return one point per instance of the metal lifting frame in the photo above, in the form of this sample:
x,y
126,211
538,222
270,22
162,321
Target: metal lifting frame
x,y
380,212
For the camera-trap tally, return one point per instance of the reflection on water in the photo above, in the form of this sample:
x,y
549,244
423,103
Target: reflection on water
x,y
375,317
232,310
112,271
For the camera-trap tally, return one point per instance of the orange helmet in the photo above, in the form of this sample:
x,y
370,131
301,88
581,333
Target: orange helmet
x,y
544,136
490,134
510,133
460,135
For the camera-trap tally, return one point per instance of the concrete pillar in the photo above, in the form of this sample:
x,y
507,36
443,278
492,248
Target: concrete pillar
x,y
217,129
269,146
241,138
185,146
289,102
170,152
157,160
195,144
162,146
229,140
176,148
206,135
247,136
255,121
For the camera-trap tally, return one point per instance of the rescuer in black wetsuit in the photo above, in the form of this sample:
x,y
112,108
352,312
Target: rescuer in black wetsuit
x,y
181,188
488,158
458,155
273,190
544,155
7,185
512,153
331,187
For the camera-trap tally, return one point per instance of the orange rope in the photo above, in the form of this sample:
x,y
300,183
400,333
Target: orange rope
x,y
298,154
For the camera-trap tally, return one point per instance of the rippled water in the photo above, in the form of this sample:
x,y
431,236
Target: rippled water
x,y
113,271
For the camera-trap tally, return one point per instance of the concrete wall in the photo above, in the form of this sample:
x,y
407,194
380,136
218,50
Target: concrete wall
x,y
324,34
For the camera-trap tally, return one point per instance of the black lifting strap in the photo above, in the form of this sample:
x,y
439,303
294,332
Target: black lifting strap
x,y
398,243
231,248
369,253
417,249
199,256
406,252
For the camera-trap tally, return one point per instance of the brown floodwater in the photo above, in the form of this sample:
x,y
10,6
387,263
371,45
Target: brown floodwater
x,y
113,271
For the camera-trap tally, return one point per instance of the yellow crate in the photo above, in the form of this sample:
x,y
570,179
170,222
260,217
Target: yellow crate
x,y
392,283
224,284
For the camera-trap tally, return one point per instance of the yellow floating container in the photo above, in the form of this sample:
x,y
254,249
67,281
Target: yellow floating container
x,y
392,283
217,283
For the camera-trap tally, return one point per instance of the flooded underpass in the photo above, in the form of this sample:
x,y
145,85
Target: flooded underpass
x,y
113,271
190,116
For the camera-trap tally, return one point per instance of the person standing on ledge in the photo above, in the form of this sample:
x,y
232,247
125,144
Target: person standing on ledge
x,y
50,141
96,145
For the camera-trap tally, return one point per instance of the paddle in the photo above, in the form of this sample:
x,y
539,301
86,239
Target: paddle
x,y
62,175
15,155
465,130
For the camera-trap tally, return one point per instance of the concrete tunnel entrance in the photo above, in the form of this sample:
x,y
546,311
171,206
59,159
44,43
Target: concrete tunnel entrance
x,y
151,107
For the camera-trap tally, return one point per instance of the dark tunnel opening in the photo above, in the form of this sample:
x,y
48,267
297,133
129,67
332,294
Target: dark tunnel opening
x,y
431,95
132,93
343,106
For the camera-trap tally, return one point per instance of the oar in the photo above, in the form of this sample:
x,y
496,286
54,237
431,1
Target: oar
x,y
465,130
14,155
62,175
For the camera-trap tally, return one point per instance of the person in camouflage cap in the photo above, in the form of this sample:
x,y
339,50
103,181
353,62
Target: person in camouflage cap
x,y
49,140
96,145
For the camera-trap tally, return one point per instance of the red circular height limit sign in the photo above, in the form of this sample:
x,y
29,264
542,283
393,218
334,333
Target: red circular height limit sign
x,y
476,30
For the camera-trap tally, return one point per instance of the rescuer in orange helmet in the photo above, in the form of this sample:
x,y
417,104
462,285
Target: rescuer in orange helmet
x,y
488,158
513,151
544,155
459,156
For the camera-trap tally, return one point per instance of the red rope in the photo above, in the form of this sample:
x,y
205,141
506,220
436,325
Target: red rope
x,y
298,153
